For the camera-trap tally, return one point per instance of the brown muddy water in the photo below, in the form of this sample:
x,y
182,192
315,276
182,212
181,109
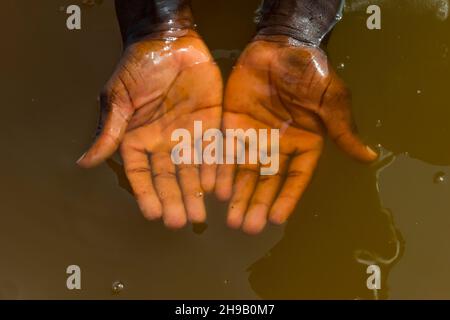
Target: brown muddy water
x,y
395,214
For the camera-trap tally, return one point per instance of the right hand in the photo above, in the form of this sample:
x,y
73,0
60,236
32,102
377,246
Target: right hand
x,y
291,87
160,84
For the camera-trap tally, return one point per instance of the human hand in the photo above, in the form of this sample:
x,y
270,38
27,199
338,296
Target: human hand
x,y
279,83
162,83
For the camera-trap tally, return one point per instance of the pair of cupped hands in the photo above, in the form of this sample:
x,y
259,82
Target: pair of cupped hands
x,y
166,82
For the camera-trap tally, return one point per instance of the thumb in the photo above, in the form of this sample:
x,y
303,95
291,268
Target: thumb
x,y
113,123
336,114
349,142
342,130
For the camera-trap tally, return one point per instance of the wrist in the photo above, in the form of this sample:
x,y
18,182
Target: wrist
x,y
141,19
307,21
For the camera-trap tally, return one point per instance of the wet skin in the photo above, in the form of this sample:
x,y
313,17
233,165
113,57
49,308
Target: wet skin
x,y
281,84
168,81
159,86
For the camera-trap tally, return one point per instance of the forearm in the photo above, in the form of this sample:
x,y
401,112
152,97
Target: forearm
x,y
138,18
308,21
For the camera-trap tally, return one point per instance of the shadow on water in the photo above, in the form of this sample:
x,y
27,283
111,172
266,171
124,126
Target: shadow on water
x,y
399,77
338,230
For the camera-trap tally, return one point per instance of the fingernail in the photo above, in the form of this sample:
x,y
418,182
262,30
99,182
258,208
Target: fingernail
x,y
372,152
81,158
277,220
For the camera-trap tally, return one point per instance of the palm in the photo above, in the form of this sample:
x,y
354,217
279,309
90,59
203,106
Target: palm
x,y
158,87
290,88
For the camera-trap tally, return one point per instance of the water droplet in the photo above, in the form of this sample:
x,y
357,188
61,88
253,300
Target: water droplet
x,y
199,194
379,148
341,66
379,124
117,287
439,177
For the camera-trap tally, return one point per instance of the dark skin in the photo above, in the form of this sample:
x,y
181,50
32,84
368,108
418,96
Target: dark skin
x,y
307,21
280,83
283,81
167,79
158,87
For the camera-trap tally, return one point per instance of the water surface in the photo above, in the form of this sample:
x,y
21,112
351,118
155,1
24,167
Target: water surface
x,y
394,213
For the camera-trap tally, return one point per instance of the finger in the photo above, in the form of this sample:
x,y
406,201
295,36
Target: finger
x,y
166,185
244,185
298,176
262,200
208,177
208,170
137,169
347,140
113,126
341,127
224,181
189,178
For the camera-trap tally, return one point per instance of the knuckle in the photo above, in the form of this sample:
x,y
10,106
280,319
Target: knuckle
x,y
195,194
248,171
296,174
260,203
187,170
267,179
164,175
137,171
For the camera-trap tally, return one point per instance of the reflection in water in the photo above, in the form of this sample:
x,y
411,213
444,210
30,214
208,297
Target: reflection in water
x,y
421,213
122,180
339,229
117,287
118,169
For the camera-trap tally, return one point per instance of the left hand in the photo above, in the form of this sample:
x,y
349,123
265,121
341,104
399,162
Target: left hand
x,y
278,85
